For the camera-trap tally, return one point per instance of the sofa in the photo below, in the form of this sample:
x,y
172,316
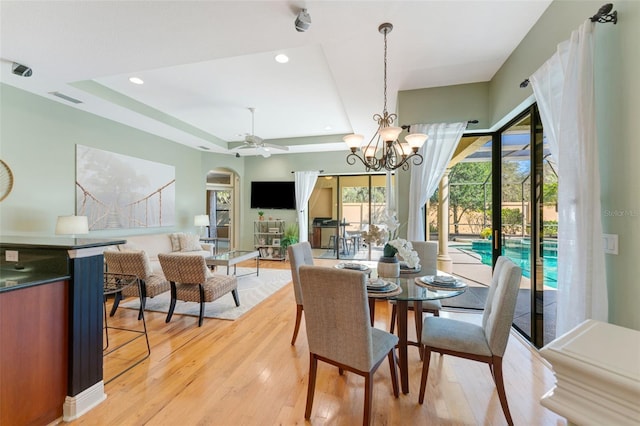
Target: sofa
x,y
175,243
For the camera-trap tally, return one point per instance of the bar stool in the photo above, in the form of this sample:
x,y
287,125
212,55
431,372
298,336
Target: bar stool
x,y
113,285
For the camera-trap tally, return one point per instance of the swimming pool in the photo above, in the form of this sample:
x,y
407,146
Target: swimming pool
x,y
517,249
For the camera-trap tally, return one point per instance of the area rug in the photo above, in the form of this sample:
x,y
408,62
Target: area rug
x,y
252,290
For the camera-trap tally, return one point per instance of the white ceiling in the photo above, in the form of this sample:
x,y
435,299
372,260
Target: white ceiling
x,y
205,62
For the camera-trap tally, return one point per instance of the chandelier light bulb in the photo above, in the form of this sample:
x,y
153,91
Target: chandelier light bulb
x,y
390,134
416,140
353,141
369,151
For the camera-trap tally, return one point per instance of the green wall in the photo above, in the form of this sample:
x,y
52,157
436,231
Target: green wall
x,y
38,138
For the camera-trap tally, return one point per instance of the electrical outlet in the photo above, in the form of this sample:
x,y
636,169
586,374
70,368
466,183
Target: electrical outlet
x,y
11,255
610,243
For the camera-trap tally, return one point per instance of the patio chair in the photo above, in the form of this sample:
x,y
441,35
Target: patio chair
x,y
299,254
486,343
339,330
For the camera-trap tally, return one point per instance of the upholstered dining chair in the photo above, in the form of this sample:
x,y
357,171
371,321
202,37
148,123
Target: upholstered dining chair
x,y
135,262
299,254
485,343
428,255
339,330
191,281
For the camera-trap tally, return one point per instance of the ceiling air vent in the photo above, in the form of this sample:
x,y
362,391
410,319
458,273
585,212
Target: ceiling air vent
x,y
204,147
65,97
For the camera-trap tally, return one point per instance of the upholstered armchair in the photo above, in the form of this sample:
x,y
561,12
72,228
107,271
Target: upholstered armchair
x,y
299,254
135,262
191,281
485,343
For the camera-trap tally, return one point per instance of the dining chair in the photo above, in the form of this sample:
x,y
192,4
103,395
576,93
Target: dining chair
x,y
136,263
299,254
339,331
192,281
428,255
485,343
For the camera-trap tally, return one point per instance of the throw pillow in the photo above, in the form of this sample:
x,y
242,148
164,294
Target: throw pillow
x,y
130,247
190,242
175,241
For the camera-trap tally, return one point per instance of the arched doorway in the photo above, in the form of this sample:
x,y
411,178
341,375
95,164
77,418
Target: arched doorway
x,y
222,195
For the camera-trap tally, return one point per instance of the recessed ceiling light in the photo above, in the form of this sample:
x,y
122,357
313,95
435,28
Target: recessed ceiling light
x,y
327,127
136,80
282,58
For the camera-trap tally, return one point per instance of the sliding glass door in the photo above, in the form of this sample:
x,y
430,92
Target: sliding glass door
x,y
528,223
346,213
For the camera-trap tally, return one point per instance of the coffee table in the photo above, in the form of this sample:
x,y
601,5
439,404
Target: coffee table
x,y
232,258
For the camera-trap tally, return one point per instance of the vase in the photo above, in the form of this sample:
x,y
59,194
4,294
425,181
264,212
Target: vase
x,y
388,267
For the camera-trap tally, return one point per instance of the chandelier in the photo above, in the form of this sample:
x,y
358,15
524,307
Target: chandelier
x,y
384,150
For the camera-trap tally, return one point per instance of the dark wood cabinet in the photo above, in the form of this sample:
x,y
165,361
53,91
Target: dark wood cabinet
x,y
34,354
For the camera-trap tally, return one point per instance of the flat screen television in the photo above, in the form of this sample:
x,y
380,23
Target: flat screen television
x,y
273,195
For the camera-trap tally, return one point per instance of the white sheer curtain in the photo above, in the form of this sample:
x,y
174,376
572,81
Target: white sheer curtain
x,y
437,152
305,182
564,90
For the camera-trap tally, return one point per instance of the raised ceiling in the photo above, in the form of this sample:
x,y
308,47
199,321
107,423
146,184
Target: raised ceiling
x,y
204,63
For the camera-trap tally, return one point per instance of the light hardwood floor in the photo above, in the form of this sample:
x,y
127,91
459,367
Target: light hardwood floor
x,y
245,372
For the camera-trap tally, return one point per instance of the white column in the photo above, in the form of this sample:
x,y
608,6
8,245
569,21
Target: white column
x,y
445,263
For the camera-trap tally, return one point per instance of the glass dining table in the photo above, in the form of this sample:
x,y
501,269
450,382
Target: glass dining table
x,y
409,290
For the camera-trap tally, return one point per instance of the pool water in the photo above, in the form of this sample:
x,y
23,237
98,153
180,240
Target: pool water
x,y
518,251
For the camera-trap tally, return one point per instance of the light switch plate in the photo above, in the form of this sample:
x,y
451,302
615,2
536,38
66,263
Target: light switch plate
x,y
11,255
610,243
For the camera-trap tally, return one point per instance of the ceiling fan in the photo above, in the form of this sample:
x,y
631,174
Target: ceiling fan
x,y
257,143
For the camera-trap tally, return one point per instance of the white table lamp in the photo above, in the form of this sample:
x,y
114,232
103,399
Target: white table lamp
x,y
72,225
201,220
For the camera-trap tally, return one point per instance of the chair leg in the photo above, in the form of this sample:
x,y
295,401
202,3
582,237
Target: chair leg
x,y
236,298
394,372
497,369
394,312
368,394
172,305
116,301
143,299
425,372
313,367
201,318
106,326
297,326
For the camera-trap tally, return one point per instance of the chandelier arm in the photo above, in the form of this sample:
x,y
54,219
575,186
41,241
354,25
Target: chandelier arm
x,y
416,161
351,160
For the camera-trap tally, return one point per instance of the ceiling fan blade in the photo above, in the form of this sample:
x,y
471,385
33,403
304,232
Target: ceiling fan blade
x,y
270,145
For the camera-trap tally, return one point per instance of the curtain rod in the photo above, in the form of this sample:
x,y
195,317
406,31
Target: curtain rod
x,y
319,171
603,16
407,127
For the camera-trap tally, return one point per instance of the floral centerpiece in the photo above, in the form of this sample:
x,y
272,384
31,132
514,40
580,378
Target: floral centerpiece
x,y
405,249
393,246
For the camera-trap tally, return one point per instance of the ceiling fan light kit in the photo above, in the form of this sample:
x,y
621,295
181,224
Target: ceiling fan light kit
x,y
391,153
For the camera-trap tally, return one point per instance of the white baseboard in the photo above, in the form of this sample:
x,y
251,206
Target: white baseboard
x,y
76,406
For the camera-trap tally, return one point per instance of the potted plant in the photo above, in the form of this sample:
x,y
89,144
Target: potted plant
x,y
290,236
261,215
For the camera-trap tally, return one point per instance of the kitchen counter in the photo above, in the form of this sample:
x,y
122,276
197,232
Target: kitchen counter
x,y
51,302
